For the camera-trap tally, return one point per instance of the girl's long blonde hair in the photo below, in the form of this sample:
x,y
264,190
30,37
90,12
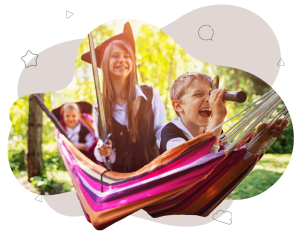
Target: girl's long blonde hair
x,y
108,92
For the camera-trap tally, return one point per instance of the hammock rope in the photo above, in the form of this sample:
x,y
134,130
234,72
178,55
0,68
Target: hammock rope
x,y
250,116
248,107
265,107
251,126
282,112
271,140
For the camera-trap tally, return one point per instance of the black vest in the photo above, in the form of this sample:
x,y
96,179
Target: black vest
x,y
82,134
133,156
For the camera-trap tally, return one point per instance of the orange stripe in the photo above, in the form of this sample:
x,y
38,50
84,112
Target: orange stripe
x,y
160,160
220,185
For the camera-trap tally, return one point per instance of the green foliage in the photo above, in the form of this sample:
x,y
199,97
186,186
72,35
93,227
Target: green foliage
x,y
16,155
53,162
18,115
285,143
54,179
17,163
47,185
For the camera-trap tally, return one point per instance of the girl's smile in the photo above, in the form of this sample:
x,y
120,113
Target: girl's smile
x,y
120,63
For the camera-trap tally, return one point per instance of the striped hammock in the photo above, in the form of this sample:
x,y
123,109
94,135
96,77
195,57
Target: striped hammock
x,y
187,179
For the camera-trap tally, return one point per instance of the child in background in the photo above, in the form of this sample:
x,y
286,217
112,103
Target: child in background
x,y
78,134
200,109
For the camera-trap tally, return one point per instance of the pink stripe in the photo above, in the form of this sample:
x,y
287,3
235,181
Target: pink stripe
x,y
193,156
131,198
151,192
164,206
88,116
187,159
176,183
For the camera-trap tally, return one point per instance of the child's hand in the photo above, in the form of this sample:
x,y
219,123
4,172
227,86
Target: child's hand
x,y
105,150
217,104
275,130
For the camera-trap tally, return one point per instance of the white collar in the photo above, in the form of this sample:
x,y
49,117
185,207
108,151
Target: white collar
x,y
75,130
177,122
138,92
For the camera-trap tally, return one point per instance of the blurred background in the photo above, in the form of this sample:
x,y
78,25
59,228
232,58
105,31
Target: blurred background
x,y
160,60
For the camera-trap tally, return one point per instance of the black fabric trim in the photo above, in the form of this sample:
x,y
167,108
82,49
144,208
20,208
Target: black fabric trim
x,y
170,131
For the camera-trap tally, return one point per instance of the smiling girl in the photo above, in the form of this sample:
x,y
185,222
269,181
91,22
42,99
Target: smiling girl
x,y
134,114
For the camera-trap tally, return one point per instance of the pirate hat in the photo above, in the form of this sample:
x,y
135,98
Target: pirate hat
x,y
126,36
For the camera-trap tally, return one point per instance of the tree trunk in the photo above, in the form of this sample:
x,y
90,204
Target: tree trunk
x,y
35,162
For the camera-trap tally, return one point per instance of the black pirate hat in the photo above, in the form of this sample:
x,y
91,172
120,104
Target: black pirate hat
x,y
126,36
85,107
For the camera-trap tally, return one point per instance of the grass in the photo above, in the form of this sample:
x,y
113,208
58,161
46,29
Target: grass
x,y
265,174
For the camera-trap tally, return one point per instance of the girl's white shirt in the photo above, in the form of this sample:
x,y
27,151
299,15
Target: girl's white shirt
x,y
73,135
177,141
120,116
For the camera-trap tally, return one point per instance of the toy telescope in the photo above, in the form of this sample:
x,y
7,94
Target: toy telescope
x,y
235,96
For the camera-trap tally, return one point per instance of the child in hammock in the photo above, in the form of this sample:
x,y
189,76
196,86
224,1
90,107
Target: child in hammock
x,y
79,135
199,112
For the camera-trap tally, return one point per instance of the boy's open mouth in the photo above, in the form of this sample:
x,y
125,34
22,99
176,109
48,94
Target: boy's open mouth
x,y
205,112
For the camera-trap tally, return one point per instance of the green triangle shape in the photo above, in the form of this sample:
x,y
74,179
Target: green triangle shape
x,y
69,13
282,63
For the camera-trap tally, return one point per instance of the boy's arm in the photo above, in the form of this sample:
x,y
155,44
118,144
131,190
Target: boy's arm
x,y
171,136
219,111
213,123
275,130
174,142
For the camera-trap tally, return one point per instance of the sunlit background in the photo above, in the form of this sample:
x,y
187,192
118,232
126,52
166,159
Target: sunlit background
x,y
160,60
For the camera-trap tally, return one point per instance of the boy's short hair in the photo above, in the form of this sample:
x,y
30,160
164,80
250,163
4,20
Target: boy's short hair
x,y
184,81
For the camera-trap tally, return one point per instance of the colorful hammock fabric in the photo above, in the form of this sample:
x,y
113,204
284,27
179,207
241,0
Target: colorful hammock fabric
x,y
187,179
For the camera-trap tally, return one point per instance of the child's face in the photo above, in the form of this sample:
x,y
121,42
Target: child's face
x,y
120,63
71,117
195,106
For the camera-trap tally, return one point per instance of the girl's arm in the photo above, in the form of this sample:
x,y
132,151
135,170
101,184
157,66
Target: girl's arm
x,y
159,113
99,157
95,118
